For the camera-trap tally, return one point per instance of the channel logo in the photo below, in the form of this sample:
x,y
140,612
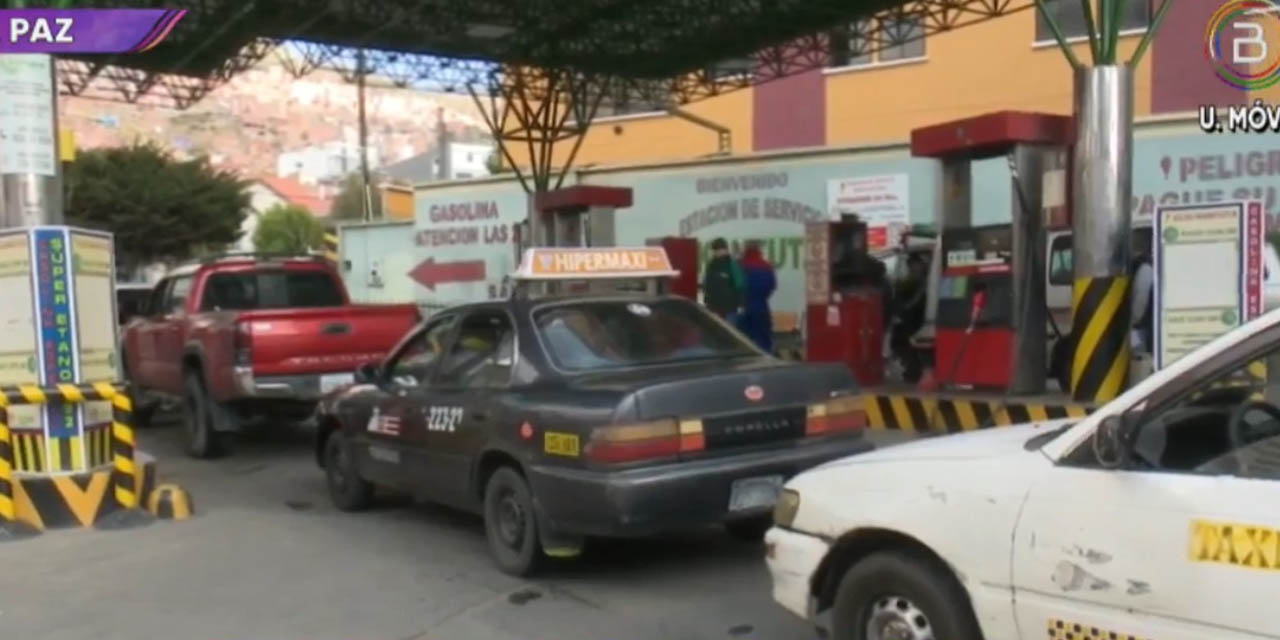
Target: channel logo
x,y
1242,42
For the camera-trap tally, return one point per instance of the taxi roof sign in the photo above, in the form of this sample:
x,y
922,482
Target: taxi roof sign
x,y
585,263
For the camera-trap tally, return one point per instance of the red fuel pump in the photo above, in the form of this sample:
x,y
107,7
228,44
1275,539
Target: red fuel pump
x,y
844,310
683,254
975,328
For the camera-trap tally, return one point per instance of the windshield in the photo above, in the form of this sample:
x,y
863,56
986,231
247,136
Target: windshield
x,y
275,289
591,336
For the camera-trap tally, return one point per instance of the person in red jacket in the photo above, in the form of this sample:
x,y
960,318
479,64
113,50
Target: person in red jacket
x,y
757,318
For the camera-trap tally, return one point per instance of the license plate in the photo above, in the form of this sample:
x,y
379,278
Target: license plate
x,y
334,380
755,493
561,444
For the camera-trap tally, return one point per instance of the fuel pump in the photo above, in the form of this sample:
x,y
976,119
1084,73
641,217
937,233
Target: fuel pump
x,y
1006,323
845,298
573,217
683,253
975,335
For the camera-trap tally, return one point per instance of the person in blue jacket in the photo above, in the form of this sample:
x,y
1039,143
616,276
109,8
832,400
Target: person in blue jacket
x,y
757,319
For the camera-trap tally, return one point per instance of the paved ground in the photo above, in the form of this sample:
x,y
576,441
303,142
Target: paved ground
x,y
268,558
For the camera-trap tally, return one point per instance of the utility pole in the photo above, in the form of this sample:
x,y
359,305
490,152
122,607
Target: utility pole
x,y
366,200
444,166
30,173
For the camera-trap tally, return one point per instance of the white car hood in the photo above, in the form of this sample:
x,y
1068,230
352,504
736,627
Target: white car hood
x,y
984,443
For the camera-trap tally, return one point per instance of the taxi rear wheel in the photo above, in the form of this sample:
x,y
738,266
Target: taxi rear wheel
x,y
347,489
510,523
901,596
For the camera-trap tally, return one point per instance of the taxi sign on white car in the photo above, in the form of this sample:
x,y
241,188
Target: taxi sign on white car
x,y
582,263
1156,517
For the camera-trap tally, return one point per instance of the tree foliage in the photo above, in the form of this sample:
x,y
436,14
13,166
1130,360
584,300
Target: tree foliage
x,y
159,208
348,205
494,163
288,229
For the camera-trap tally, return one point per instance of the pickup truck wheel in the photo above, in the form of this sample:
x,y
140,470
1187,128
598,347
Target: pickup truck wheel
x,y
347,489
900,596
749,529
202,441
510,523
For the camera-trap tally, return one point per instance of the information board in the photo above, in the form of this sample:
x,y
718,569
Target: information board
x,y
1208,263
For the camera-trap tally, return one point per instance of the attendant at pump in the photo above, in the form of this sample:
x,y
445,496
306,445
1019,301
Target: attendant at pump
x,y
722,282
757,318
1142,302
909,318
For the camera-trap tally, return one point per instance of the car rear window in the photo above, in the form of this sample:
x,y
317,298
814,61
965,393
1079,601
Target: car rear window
x,y
591,336
270,289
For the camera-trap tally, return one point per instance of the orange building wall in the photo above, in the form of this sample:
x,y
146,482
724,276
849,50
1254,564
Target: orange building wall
x,y
975,69
397,204
628,140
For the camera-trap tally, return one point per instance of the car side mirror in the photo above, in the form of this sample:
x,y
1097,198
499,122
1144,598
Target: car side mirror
x,y
1113,440
368,373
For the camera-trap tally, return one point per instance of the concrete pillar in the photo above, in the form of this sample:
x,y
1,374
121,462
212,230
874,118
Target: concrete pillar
x,y
30,173
1101,195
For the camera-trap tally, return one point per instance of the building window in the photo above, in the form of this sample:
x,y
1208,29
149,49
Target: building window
x,y
867,42
1069,14
903,38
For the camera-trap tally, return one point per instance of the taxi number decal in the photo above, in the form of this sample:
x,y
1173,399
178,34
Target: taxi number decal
x,y
444,418
1240,545
560,444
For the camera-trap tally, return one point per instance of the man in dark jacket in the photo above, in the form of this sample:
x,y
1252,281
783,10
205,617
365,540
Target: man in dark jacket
x,y
722,282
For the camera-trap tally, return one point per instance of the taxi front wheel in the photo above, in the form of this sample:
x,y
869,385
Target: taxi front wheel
x,y
897,595
510,523
347,489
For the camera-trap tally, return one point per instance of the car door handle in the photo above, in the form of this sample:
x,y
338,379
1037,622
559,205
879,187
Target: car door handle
x,y
479,416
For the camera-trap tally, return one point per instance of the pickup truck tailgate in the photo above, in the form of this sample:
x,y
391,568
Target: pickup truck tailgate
x,y
324,340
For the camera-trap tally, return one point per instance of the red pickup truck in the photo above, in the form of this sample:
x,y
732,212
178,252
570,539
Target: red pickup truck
x,y
240,337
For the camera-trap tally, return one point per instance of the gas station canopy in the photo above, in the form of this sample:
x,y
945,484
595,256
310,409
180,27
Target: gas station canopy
x,y
687,49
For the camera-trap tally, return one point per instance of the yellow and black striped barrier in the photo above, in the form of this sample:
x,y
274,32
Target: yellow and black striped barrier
x,y
31,450
950,414
82,498
170,502
331,245
11,528
1099,321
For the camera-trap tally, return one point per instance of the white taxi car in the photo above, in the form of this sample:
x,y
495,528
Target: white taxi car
x,y
1156,517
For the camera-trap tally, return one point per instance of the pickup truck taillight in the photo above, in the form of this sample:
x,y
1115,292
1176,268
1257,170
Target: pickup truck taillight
x,y
645,441
839,414
244,344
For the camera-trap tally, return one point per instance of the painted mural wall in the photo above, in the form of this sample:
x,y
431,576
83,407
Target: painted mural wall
x,y
463,240
769,198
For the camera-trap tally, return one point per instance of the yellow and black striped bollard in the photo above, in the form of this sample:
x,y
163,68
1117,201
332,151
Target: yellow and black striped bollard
x,y
1100,324
124,483
11,528
170,502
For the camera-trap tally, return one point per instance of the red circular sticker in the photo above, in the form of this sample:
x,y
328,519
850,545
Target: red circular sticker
x,y
526,431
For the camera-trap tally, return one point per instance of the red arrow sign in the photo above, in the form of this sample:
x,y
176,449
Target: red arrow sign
x,y
431,273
